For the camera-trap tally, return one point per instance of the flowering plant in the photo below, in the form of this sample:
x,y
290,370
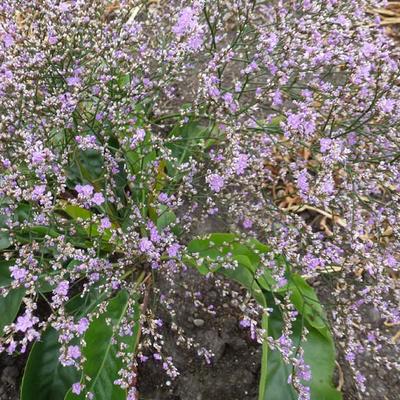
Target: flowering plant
x,y
126,126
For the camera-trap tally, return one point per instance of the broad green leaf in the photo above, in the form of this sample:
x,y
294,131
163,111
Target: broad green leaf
x,y
319,354
5,277
80,305
211,241
219,247
44,377
258,246
307,304
4,241
27,235
214,245
243,276
275,377
165,219
76,211
9,307
184,140
124,80
88,165
102,364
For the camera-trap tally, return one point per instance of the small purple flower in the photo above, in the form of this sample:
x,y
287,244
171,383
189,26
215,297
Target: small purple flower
x,y
38,157
391,261
281,282
38,191
368,49
247,223
73,352
82,326
145,245
157,356
303,182
386,105
230,102
245,323
94,277
163,198
328,186
98,199
73,81
95,90
155,265
8,40
62,288
173,250
216,182
325,144
84,190
18,274
294,121
12,347
241,163
277,99
137,138
360,380
52,39
105,223
25,322
99,116
187,21
158,322
64,6
371,337
76,388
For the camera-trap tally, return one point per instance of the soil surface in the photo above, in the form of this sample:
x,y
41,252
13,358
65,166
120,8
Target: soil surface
x,y
234,370
11,369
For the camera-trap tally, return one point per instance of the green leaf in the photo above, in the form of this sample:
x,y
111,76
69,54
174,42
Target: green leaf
x,y
102,364
165,219
275,376
4,241
80,305
243,276
77,212
319,354
5,277
217,247
9,307
307,304
214,245
44,377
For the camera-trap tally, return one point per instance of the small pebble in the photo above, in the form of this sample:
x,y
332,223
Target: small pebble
x,y
198,322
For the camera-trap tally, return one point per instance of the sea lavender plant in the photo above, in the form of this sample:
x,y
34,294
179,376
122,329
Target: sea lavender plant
x,y
125,126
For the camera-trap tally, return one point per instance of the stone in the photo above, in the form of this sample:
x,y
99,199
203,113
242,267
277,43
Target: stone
x,y
198,322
